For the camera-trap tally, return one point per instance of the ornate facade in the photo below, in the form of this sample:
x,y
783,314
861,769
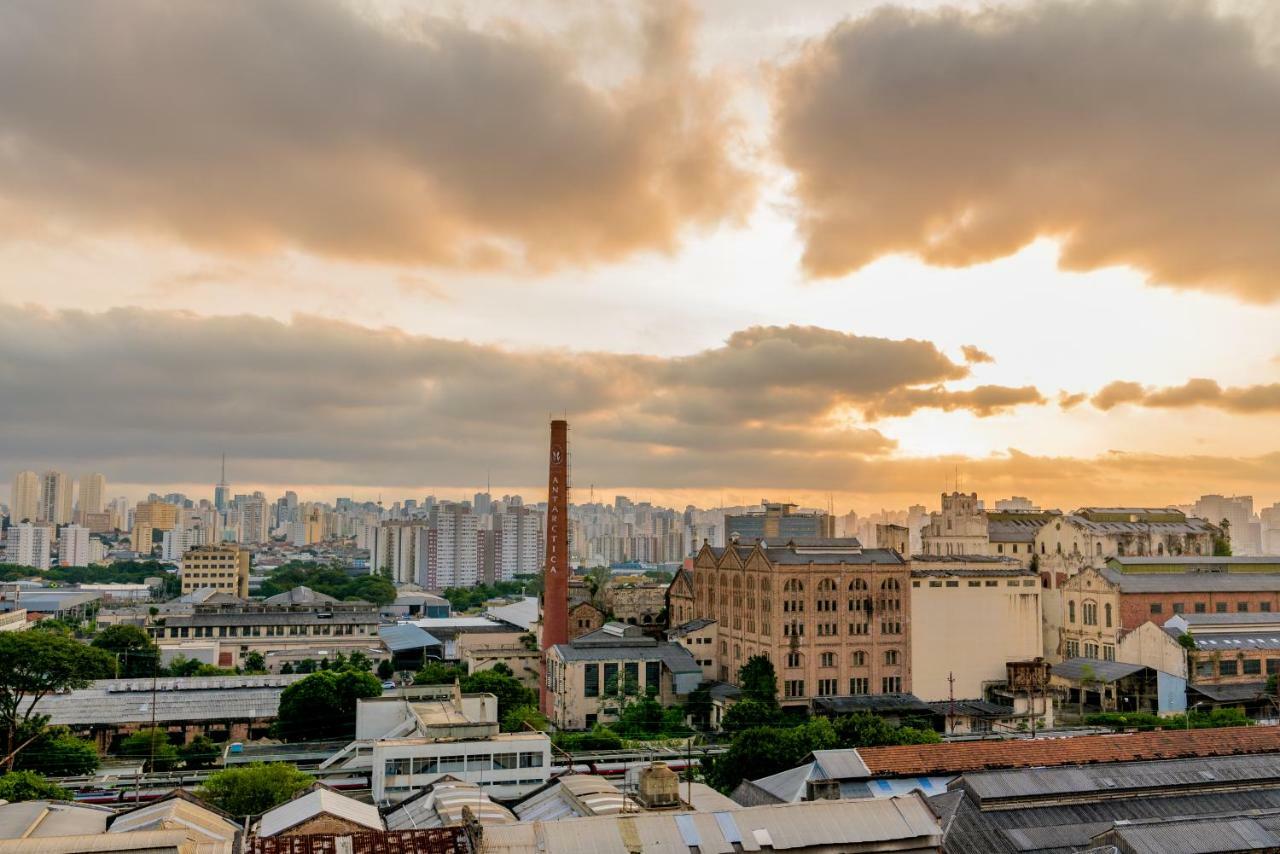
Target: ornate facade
x,y
833,618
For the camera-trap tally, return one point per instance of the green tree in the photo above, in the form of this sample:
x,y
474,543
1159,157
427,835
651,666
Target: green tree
x,y
30,786
762,751
359,661
324,704
133,648
200,752
646,718
510,692
748,714
254,662
58,753
253,789
523,718
330,580
286,668
32,666
867,730
438,673
759,681
385,669
152,747
305,666
1222,542
599,737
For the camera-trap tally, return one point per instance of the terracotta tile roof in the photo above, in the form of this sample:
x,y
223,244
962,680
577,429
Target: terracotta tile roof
x,y
958,757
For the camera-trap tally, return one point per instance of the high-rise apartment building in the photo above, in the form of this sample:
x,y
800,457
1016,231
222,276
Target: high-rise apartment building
x,y
779,522
399,550
223,568
93,493
455,560
149,517
55,497
518,543
28,545
1237,512
73,546
24,500
253,518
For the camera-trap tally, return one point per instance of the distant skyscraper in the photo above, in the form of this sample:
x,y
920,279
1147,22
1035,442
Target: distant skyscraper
x,y
93,491
55,497
253,518
73,546
779,522
24,501
28,545
222,492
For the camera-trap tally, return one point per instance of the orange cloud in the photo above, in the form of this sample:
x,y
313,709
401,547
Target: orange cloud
x,y
245,127
1242,400
1136,132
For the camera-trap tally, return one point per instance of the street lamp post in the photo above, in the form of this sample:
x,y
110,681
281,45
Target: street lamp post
x,y
1190,710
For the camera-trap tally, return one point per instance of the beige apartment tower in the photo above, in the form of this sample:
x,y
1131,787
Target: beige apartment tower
x,y
24,500
223,568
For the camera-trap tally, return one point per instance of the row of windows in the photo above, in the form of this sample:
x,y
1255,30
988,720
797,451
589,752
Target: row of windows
x,y
1089,613
462,762
858,658
1090,650
858,685
1237,667
611,685
326,630
1026,582
1202,607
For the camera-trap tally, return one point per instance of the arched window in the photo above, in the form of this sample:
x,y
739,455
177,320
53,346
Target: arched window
x,y
1106,613
890,656
1119,549
1071,611
857,594
1160,549
793,585
1089,611
827,596
890,595
859,658
1098,550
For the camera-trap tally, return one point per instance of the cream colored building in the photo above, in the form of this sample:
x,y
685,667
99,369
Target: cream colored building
x,y
1089,622
152,516
24,500
969,618
55,497
959,529
1092,535
93,493
223,568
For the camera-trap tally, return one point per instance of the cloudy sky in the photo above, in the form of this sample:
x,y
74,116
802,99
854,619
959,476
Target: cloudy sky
x,y
750,248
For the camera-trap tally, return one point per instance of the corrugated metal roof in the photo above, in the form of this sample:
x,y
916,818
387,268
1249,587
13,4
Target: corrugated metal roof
x,y
1193,582
906,820
405,636
522,614
1030,783
150,842
51,818
318,801
1076,669
129,701
839,765
1192,836
441,804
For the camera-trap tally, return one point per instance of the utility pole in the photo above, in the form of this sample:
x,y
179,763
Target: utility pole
x,y
951,703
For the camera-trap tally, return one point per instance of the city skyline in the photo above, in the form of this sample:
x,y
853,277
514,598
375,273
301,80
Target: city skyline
x,y
721,281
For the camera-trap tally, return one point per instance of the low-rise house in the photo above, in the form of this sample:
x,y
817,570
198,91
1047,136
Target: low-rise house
x,y
699,637
1087,685
589,678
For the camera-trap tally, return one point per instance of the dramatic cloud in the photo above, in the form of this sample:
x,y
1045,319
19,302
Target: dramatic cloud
x,y
982,401
1243,400
975,355
1138,132
156,396
246,126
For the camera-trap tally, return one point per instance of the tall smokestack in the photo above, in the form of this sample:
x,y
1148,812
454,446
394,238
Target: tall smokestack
x,y
555,583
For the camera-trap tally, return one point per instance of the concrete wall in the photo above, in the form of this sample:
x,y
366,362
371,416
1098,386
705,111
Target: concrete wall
x,y
1151,645
970,631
